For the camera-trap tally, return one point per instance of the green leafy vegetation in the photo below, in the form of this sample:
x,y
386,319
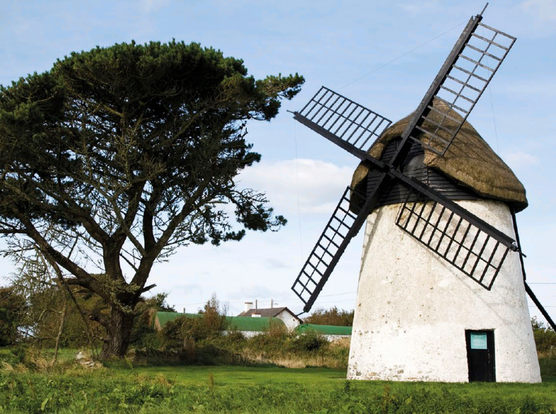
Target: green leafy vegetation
x,y
253,380
12,315
201,365
119,155
255,390
545,338
211,338
332,316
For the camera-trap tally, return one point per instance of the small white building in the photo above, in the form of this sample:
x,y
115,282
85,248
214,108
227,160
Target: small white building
x,y
283,313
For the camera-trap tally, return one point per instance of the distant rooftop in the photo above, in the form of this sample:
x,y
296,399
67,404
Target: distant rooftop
x,y
264,312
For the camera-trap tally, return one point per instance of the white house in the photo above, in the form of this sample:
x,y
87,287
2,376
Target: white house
x,y
287,316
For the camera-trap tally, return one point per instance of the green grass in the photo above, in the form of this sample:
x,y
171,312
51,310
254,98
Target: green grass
x,y
237,376
123,388
11,354
218,389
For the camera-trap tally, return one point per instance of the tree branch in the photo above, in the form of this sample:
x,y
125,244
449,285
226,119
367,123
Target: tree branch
x,y
84,278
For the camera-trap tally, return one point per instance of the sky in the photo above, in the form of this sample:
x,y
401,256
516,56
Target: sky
x,y
383,55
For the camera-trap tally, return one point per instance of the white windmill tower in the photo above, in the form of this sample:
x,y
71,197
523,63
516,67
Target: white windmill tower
x,y
429,311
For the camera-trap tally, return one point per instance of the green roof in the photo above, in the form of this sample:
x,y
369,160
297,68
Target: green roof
x,y
248,323
241,323
164,317
324,329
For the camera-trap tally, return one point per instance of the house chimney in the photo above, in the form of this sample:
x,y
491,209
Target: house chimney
x,y
271,303
256,305
247,306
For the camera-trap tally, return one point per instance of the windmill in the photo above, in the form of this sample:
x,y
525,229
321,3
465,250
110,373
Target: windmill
x,y
428,307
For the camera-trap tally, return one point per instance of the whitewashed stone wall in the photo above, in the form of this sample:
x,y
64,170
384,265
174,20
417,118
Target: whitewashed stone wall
x,y
413,308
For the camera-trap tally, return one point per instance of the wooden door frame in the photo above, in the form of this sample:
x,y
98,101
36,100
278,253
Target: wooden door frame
x,y
490,374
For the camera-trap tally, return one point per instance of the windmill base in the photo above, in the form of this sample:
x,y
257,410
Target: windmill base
x,y
417,318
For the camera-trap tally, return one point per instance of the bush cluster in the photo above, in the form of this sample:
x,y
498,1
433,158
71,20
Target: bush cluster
x,y
190,340
545,337
332,316
12,315
176,333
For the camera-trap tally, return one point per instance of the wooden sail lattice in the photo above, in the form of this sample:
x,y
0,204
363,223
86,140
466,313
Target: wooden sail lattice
x,y
341,120
454,239
339,230
468,76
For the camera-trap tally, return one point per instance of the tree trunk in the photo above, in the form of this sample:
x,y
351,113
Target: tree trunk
x,y
119,334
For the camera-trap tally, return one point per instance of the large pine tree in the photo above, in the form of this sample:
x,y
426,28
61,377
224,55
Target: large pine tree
x,y
116,156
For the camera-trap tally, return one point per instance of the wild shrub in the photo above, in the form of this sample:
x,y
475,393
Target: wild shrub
x,y
175,333
235,336
548,369
210,322
265,343
275,345
545,337
332,316
309,341
276,330
12,315
209,353
143,334
233,341
14,355
338,351
214,317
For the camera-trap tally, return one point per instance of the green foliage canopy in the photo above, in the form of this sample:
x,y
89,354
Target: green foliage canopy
x,y
545,337
116,156
12,315
332,316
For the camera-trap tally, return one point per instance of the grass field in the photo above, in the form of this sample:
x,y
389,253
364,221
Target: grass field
x,y
223,389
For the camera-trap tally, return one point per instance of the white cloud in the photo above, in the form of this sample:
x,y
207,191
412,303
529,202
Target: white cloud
x,y
252,291
519,160
272,263
543,9
306,186
148,6
533,19
538,87
420,7
187,289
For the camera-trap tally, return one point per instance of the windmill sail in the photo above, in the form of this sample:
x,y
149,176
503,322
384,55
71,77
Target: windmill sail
x,y
540,306
456,235
340,229
459,84
474,252
343,121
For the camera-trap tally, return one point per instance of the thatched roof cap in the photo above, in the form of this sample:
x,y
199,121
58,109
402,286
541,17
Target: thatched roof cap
x,y
469,161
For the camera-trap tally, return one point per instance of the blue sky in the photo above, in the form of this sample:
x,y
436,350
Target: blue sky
x,y
383,55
